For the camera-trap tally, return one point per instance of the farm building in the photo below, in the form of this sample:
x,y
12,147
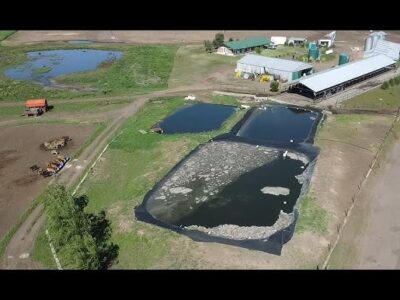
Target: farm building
x,y
243,46
326,83
278,40
286,69
325,43
36,103
375,43
297,41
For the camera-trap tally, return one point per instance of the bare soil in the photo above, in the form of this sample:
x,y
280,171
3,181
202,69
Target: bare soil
x,y
344,39
19,150
370,239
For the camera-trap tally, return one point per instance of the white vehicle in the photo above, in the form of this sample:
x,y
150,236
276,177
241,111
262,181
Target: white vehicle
x,y
190,97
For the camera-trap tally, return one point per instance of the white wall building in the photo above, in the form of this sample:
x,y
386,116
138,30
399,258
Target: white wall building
x,y
225,51
278,40
286,69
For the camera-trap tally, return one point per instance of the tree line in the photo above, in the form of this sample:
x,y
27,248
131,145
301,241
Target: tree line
x,y
81,239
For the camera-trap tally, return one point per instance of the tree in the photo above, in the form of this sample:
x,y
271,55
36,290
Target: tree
x,y
208,46
231,39
397,80
258,50
218,40
391,82
274,86
80,238
385,85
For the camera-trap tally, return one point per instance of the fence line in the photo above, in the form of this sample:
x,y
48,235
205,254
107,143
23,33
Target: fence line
x,y
347,212
53,251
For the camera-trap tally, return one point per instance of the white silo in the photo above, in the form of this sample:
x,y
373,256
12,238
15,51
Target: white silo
x,y
368,43
375,38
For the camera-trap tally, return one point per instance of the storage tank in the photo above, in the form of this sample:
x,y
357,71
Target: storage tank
x,y
313,53
375,38
368,43
312,46
343,58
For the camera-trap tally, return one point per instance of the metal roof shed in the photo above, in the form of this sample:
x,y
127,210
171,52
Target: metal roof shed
x,y
287,69
331,81
247,43
274,63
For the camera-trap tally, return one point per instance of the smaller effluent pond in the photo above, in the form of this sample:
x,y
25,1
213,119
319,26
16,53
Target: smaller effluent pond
x,y
199,117
240,188
280,123
44,66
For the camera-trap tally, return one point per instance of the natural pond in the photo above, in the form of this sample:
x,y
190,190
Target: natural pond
x,y
44,66
197,117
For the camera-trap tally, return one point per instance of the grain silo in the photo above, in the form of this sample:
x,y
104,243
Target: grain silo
x,y
343,58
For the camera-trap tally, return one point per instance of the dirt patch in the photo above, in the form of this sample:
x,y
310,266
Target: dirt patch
x,y
373,222
344,39
141,36
19,150
7,157
26,179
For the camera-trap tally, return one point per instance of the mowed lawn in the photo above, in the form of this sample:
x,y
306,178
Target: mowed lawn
x,y
131,166
376,99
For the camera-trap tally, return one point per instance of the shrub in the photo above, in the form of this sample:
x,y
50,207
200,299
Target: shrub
x,y
385,85
391,82
274,86
397,80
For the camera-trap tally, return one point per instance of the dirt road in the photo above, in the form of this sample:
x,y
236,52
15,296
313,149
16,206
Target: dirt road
x,y
371,237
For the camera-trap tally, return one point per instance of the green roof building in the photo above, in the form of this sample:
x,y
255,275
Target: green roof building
x,y
243,46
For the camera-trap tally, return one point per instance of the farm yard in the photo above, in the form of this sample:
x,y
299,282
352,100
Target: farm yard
x,y
109,112
19,150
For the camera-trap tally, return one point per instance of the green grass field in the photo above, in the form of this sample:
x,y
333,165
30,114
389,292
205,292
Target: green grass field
x,y
284,51
130,167
376,99
193,64
42,252
311,217
142,69
5,34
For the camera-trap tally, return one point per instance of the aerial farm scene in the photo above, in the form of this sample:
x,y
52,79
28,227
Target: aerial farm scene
x,y
199,149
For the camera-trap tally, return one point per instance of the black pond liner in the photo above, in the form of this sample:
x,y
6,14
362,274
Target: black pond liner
x,y
196,121
310,137
272,244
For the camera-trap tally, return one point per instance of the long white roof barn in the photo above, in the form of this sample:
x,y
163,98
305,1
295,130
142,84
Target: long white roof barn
x,y
329,78
274,63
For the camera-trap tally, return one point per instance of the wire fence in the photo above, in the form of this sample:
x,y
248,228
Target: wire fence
x,y
346,213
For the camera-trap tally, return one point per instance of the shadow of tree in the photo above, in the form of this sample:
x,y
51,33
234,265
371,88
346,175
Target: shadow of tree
x,y
99,228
